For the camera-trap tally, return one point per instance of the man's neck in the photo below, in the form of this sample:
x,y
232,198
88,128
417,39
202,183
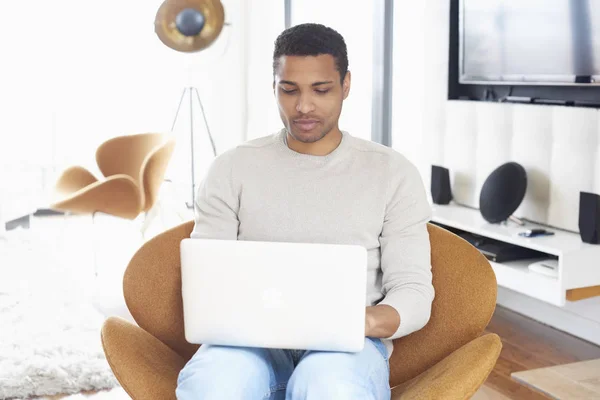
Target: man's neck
x,y
322,147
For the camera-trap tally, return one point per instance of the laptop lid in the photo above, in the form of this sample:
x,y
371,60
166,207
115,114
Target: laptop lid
x,y
274,295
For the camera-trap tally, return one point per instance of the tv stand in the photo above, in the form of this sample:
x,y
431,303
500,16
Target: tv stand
x,y
578,275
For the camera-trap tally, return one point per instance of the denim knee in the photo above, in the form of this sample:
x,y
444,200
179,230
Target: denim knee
x,y
218,372
322,387
224,373
323,375
325,380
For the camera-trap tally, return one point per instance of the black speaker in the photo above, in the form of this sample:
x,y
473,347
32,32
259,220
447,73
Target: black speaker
x,y
440,185
589,217
502,192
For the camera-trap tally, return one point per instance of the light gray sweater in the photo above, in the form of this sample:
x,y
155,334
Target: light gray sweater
x,y
362,193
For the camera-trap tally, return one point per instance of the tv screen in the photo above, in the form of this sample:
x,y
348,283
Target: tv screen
x,y
529,42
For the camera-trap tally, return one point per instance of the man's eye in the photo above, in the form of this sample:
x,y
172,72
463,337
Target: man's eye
x,y
322,91
288,91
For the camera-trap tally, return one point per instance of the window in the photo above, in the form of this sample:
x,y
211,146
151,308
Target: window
x,y
354,21
78,77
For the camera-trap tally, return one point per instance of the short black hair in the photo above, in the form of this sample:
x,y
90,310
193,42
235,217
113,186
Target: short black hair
x,y
311,39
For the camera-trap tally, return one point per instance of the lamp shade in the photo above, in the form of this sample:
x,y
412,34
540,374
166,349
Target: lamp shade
x,y
189,25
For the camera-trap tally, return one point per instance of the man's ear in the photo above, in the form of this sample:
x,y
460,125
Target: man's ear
x,y
346,85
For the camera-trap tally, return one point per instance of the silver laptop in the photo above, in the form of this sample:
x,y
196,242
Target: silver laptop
x,y
274,295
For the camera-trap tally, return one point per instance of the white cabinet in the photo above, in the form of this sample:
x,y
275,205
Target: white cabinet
x,y
578,263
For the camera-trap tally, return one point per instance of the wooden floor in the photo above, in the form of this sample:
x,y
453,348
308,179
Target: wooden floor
x,y
528,344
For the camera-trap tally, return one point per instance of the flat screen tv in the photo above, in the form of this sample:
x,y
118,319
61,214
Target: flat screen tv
x,y
529,42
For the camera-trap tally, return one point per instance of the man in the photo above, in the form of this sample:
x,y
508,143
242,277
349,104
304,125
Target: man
x,y
312,182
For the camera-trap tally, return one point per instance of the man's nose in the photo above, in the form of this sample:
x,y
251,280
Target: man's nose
x,y
305,104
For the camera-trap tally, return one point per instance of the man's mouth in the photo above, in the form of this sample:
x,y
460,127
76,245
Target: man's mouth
x,y
306,124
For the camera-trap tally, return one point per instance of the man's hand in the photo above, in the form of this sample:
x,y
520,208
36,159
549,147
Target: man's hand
x,y
381,321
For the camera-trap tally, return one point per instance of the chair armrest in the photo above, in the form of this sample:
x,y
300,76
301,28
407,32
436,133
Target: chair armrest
x,y
458,376
117,195
144,366
73,179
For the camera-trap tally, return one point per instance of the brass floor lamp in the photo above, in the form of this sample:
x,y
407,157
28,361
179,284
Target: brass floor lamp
x,y
190,26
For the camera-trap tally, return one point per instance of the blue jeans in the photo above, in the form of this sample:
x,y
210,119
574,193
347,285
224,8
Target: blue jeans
x,y
239,373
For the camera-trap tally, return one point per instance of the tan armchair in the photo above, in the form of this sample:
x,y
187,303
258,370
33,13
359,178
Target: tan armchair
x,y
448,359
133,167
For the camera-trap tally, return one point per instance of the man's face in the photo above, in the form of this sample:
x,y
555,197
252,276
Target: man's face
x,y
309,95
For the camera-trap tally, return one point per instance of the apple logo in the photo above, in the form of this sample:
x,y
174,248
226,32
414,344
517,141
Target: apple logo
x,y
272,299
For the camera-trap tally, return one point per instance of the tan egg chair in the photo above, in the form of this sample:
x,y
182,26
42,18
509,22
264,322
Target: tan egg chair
x,y
447,359
133,167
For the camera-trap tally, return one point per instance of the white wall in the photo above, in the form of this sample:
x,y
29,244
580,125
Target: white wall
x,y
560,147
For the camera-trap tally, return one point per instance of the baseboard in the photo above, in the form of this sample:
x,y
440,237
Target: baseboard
x,y
23,222
560,318
44,212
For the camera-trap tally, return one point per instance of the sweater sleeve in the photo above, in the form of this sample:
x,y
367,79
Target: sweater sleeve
x,y
217,202
406,253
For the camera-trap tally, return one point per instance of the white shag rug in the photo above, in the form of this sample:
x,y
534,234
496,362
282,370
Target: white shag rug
x,y
52,305
49,327
50,346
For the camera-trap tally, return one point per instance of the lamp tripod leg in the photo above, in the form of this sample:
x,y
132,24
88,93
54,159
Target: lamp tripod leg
x,y
192,150
212,142
178,108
